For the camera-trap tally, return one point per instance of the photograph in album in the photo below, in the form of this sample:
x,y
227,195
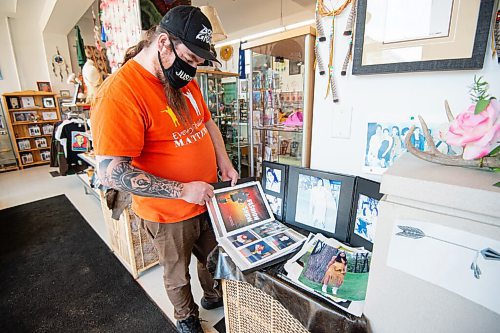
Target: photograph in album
x,y
258,251
241,207
243,238
319,201
366,217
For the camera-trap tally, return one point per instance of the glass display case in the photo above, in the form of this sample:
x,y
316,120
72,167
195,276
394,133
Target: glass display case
x,y
281,91
221,94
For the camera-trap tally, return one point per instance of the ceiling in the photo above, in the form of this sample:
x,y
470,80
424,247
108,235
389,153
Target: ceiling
x,y
242,17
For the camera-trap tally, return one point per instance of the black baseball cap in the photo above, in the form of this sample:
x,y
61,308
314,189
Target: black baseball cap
x,y
192,27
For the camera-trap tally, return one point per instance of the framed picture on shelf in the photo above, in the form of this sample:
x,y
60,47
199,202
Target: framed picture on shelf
x,y
41,143
319,201
34,130
48,102
25,116
65,93
44,86
27,102
274,180
27,158
45,155
47,129
24,144
13,103
49,115
365,213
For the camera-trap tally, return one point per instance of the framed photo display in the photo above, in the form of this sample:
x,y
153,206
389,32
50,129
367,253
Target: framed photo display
x,y
27,158
48,102
47,129
41,142
49,115
319,201
25,116
364,213
44,86
274,180
14,103
45,155
28,102
34,130
24,144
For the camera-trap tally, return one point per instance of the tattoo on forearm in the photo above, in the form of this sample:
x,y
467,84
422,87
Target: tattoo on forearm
x,y
123,176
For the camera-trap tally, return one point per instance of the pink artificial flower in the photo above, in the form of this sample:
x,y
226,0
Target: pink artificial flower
x,y
479,133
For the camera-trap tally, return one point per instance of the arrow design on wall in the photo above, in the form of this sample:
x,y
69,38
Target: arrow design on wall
x,y
487,253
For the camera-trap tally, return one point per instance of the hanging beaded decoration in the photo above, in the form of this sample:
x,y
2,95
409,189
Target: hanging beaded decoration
x,y
349,32
59,65
322,11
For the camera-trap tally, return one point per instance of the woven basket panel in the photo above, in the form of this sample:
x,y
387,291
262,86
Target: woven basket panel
x,y
144,250
249,310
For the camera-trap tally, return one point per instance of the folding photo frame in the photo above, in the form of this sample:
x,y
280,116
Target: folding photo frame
x,y
364,213
274,183
319,206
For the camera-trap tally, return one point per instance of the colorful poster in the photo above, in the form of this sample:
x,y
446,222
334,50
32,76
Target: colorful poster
x,y
366,217
241,207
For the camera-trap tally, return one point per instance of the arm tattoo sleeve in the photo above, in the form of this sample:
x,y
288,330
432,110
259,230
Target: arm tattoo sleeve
x,y
123,176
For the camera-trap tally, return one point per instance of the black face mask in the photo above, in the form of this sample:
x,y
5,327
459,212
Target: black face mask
x,y
180,73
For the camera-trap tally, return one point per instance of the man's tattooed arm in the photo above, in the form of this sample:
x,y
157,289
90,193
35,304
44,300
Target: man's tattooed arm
x,y
118,173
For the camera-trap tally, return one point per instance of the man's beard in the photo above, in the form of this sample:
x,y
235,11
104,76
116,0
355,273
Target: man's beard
x,y
176,100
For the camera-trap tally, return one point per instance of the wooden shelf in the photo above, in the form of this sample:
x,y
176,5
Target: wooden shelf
x,y
33,149
34,122
35,163
33,137
30,93
31,109
9,168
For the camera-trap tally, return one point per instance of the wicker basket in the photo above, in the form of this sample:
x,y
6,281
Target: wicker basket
x,y
249,310
129,241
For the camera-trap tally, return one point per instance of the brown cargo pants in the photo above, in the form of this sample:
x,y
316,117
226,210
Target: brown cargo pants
x,y
175,242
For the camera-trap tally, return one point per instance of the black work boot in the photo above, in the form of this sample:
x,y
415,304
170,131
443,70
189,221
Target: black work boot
x,y
210,305
189,325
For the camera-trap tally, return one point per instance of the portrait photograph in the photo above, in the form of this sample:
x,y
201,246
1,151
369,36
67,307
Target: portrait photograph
x,y
275,203
34,130
282,240
44,86
48,102
273,179
14,103
258,251
366,217
27,102
317,202
243,238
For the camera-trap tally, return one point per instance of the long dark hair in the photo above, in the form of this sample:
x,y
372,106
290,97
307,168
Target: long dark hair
x,y
175,97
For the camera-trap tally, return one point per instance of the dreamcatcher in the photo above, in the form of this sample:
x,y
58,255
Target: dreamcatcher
x,y
59,65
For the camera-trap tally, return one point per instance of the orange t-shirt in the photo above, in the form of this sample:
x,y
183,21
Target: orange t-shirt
x,y
130,117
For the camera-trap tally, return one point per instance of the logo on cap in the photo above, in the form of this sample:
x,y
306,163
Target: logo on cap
x,y
205,35
183,75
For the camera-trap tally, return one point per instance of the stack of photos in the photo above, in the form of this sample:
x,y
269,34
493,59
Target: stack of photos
x,y
385,142
273,183
332,271
24,144
246,229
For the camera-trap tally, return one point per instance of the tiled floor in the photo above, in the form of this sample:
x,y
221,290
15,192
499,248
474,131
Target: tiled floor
x,y
19,187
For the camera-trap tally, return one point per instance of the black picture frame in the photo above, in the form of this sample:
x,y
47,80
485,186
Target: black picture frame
x,y
13,102
344,207
271,190
370,189
474,62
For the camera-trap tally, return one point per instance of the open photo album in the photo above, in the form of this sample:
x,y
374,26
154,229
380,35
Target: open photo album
x,y
245,227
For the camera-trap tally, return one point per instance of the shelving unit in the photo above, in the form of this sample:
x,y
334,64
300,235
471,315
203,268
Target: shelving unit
x,y
220,91
8,160
281,98
31,116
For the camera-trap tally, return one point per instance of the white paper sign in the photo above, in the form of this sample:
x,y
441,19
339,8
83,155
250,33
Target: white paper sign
x,y
456,260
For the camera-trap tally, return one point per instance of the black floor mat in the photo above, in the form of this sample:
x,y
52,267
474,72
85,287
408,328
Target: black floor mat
x,y
221,326
57,275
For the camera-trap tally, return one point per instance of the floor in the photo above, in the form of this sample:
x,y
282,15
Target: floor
x,y
19,187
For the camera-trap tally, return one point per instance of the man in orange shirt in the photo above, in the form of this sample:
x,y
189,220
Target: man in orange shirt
x,y
153,137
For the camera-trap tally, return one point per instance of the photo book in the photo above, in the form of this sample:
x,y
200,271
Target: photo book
x,y
246,229
332,271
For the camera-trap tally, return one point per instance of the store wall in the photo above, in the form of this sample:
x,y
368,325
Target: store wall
x,y
386,98
52,43
10,81
27,38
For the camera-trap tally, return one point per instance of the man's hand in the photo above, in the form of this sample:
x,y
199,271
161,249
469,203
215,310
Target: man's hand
x,y
229,173
197,192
